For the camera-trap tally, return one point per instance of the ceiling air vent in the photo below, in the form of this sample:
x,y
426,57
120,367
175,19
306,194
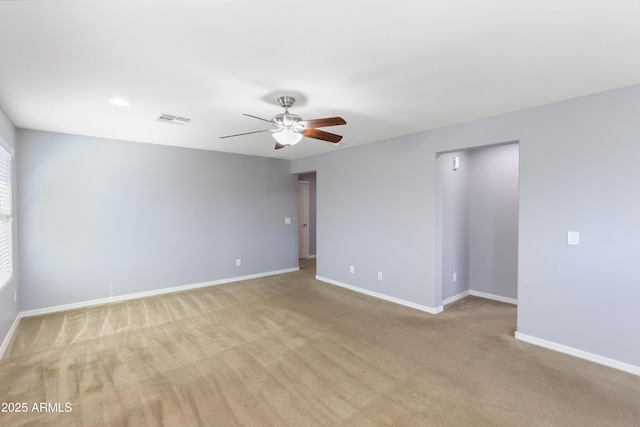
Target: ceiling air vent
x,y
168,118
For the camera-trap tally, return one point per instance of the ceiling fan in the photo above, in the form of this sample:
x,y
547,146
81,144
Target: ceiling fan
x,y
290,128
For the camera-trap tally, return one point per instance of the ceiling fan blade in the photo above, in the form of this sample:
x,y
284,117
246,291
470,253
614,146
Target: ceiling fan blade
x,y
256,117
279,146
322,135
320,123
245,133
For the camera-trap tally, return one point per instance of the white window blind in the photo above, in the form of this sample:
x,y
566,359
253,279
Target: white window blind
x,y
6,217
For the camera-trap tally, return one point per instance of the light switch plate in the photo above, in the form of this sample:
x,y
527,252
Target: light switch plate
x,y
573,238
287,220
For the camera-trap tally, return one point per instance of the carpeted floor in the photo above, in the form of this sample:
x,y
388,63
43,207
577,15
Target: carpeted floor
x,y
288,350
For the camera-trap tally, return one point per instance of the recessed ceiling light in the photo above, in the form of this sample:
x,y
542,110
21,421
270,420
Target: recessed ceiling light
x,y
120,102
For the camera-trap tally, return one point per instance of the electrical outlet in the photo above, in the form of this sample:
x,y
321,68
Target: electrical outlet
x,y
352,269
379,275
455,276
238,262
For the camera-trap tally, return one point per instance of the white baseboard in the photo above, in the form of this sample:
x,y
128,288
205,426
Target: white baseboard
x,y
480,295
118,298
7,339
430,310
612,363
455,298
493,297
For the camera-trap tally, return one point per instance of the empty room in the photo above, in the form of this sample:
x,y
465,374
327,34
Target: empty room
x,y
319,214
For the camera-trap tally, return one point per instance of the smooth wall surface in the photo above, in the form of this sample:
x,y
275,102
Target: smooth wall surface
x,y
103,218
377,210
453,221
367,217
493,220
9,308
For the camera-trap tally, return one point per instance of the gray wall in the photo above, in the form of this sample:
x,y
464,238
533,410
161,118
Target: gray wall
x,y
579,172
103,218
452,190
377,209
370,211
493,220
8,308
311,178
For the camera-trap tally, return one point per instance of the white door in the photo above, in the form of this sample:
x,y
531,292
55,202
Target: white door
x,y
303,219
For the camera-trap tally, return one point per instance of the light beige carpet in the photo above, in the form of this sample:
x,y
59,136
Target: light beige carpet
x,y
291,351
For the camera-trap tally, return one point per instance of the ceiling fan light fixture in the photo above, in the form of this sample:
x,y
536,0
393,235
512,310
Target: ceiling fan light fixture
x,y
287,137
290,128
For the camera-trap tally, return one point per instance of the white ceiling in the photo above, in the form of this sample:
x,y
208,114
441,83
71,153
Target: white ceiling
x,y
388,68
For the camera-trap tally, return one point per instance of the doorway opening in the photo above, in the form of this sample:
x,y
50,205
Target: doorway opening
x,y
303,219
477,222
307,221
307,215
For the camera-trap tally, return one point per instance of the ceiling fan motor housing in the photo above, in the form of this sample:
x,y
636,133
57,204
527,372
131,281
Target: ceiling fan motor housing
x,y
288,121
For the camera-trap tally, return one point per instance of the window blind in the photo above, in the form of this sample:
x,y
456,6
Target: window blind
x,y
6,218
